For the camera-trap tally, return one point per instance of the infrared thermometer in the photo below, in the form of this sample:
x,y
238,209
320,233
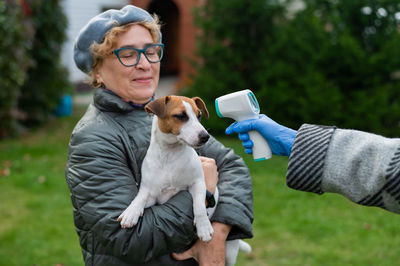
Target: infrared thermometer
x,y
243,105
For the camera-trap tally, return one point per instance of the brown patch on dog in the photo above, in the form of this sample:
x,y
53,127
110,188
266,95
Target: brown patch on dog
x,y
171,112
201,105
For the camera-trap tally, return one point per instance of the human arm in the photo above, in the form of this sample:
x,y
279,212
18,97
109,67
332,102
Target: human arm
x,y
210,173
212,252
233,215
235,204
361,166
279,138
208,253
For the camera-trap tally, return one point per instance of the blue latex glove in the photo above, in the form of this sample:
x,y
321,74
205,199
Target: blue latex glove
x,y
279,138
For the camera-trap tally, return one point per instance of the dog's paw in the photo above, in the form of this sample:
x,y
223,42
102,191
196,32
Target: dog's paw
x,y
129,217
204,228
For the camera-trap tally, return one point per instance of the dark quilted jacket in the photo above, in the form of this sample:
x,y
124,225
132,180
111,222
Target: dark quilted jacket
x,y
106,151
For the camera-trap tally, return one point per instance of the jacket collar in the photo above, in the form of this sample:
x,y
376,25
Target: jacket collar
x,y
108,101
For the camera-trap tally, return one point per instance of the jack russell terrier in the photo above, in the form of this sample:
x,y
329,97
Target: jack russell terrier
x,y
176,131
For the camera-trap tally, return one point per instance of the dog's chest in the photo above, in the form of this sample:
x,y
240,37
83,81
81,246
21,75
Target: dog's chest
x,y
167,173
173,170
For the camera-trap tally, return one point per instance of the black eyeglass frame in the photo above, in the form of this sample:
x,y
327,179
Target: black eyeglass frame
x,y
140,51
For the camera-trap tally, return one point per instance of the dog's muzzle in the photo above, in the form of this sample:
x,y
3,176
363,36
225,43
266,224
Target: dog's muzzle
x,y
203,137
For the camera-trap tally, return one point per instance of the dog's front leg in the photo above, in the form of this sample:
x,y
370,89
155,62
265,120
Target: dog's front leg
x,y
130,216
203,225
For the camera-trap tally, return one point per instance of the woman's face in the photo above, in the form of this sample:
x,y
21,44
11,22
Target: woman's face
x,y
136,83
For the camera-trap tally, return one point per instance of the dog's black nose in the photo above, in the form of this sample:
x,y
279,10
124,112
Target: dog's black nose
x,y
203,137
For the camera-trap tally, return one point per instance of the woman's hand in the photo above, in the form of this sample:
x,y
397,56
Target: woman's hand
x,y
213,252
208,253
210,173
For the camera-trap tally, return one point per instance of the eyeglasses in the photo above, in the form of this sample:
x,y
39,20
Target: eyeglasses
x,y
129,56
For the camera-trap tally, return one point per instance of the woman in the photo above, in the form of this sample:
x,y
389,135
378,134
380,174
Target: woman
x,y
121,50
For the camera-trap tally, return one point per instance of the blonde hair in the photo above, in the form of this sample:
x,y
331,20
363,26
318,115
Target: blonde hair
x,y
101,50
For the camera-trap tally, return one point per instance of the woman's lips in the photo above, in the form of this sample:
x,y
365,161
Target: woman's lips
x,y
144,80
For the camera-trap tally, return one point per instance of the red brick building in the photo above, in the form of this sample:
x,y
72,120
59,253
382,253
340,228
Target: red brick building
x,y
179,34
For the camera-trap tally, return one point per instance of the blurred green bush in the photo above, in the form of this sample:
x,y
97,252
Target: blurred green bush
x,y
330,62
31,75
13,61
47,79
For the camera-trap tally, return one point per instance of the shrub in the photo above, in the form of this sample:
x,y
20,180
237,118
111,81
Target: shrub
x,y
231,47
330,63
47,79
32,78
13,60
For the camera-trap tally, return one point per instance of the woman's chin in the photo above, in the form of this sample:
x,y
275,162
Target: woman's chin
x,y
143,96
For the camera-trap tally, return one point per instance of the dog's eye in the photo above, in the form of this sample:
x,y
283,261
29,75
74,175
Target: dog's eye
x,y
199,116
181,117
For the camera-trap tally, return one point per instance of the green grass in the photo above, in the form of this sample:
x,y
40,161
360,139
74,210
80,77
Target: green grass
x,y
290,227
36,225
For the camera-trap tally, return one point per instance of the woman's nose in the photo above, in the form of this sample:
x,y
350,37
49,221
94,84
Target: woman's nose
x,y
143,62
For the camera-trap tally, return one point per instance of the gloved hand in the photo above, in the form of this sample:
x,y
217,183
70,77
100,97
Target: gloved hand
x,y
279,138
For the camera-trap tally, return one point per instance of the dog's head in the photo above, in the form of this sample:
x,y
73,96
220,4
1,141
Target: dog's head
x,y
181,117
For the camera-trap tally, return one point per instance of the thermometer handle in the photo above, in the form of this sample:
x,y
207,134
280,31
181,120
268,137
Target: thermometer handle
x,y
261,149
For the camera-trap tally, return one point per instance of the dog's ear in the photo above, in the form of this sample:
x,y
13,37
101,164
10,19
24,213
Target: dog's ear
x,y
200,104
158,106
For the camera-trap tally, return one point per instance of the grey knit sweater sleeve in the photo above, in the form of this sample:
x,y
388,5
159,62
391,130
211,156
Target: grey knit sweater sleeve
x,y
361,166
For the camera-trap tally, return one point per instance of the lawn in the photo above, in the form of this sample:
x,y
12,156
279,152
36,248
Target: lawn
x,y
290,227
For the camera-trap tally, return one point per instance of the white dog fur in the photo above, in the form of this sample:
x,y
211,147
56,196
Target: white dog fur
x,y
171,158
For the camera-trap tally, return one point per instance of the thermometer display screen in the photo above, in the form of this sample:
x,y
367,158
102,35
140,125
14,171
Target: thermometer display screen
x,y
253,102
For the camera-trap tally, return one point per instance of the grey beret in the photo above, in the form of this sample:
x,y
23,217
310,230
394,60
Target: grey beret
x,y
98,26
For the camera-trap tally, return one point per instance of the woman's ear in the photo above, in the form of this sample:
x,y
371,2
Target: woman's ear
x,y
99,79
